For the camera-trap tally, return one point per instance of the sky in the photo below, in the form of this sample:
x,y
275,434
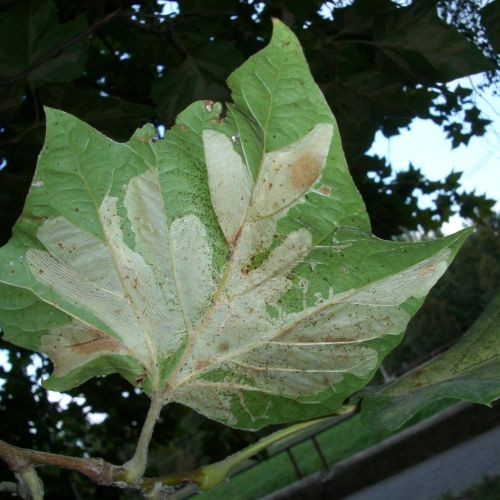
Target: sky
x,y
424,144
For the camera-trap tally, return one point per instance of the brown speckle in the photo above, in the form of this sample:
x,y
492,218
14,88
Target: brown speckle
x,y
427,270
39,218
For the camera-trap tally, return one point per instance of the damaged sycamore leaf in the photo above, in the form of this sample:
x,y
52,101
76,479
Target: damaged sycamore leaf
x,y
229,267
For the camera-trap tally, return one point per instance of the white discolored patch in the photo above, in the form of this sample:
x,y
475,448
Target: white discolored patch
x,y
149,298
213,400
289,173
140,285
299,354
81,251
279,263
346,324
73,288
153,242
193,265
288,354
229,182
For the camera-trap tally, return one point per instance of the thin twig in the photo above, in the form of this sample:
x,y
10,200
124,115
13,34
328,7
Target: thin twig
x,y
101,472
211,475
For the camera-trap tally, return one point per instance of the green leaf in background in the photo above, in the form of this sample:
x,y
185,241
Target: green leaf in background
x,y
201,75
29,31
470,371
229,267
403,42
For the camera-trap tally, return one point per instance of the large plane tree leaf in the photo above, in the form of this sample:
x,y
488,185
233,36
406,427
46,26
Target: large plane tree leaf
x,y
228,267
470,370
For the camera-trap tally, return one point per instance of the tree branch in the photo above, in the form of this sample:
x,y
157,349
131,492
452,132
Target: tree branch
x,y
18,459
55,52
99,471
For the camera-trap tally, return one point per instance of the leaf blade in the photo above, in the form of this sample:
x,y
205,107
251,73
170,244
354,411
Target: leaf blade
x,y
269,306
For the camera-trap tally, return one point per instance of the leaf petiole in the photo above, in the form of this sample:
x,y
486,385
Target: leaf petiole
x,y
134,468
211,475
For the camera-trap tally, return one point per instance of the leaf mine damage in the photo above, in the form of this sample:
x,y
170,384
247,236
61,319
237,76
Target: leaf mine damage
x,y
233,336
227,267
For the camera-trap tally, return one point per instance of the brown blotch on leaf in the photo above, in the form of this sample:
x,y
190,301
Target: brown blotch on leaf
x,y
305,171
326,190
209,105
202,364
100,343
425,271
223,347
39,218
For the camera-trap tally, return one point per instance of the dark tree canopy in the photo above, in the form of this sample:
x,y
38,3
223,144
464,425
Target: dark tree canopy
x,y
118,64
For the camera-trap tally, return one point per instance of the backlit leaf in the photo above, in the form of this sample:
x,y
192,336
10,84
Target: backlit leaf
x,y
229,267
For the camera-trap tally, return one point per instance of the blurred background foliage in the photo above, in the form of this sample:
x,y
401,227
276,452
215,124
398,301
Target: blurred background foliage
x,y
118,64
